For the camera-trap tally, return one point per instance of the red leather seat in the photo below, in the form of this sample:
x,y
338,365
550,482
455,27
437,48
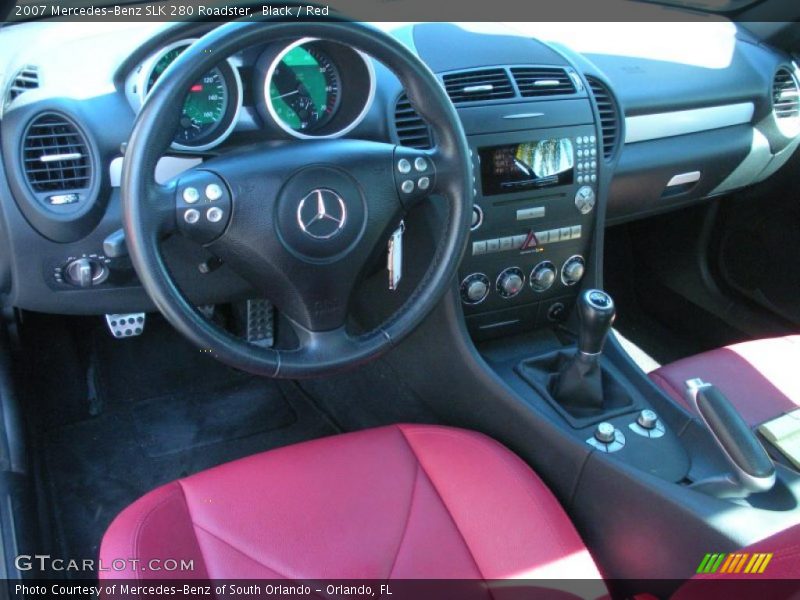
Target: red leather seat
x,y
408,501
761,378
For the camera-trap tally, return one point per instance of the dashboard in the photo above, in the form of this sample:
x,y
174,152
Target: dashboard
x,y
567,137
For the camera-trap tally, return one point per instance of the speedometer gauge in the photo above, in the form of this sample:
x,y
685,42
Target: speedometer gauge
x,y
211,106
304,89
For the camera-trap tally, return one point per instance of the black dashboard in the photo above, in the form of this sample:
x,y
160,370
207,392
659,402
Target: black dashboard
x,y
565,137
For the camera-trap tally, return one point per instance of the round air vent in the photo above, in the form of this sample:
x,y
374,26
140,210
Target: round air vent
x,y
56,160
786,102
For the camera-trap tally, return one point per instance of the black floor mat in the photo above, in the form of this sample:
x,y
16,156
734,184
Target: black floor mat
x,y
156,424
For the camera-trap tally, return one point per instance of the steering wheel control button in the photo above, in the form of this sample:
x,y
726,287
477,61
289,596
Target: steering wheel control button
x,y
585,199
214,214
191,216
407,186
607,438
424,183
404,166
648,425
572,271
126,325
543,276
191,195
474,288
510,282
420,164
213,192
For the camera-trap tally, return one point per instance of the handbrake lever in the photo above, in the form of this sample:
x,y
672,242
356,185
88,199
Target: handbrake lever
x,y
753,470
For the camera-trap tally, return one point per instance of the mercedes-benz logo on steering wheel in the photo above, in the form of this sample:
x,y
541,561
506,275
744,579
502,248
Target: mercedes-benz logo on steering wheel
x,y
322,214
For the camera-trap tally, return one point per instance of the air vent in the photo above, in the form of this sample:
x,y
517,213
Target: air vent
x,y
26,79
56,155
472,86
609,116
542,81
786,100
411,129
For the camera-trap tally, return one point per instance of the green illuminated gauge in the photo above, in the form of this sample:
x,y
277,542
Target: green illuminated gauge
x,y
303,89
209,111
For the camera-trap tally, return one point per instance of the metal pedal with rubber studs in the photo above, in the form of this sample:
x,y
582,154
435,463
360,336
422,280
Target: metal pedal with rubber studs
x,y
126,324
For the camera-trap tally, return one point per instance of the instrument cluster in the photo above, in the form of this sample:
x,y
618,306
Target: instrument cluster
x,y
306,89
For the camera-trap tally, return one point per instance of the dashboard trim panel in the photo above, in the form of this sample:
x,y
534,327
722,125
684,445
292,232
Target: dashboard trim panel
x,y
655,126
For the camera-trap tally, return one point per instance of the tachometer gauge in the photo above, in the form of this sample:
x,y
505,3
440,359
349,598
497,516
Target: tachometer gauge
x,y
211,107
316,88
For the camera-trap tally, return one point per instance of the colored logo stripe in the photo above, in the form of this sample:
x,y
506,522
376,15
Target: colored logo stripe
x,y
738,562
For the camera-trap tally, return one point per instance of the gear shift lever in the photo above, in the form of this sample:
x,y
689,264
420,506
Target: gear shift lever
x,y
579,384
596,314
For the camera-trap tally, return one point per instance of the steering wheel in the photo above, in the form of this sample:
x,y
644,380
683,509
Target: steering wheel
x,y
299,221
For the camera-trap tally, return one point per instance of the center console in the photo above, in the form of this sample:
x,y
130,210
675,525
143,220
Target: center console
x,y
532,227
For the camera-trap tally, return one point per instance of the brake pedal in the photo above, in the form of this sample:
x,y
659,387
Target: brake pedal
x,y
126,324
260,327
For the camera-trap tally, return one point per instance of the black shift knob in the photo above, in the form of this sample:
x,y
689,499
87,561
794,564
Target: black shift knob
x,y
596,314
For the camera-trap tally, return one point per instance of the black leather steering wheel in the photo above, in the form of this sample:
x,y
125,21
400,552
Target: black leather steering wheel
x,y
259,228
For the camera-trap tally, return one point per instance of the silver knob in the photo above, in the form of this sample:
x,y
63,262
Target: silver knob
x,y
543,276
572,271
85,272
476,290
510,282
604,433
647,419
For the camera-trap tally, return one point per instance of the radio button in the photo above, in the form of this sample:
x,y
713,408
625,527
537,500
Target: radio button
x,y
555,235
478,248
506,243
575,232
492,246
566,233
543,237
535,212
580,179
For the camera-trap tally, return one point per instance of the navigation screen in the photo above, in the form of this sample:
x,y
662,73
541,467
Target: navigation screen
x,y
517,167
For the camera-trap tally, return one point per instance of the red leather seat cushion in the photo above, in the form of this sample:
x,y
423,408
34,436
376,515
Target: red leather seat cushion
x,y
761,378
408,501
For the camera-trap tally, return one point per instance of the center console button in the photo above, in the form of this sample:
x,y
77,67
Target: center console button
x,y
510,282
604,433
647,419
474,288
543,276
572,271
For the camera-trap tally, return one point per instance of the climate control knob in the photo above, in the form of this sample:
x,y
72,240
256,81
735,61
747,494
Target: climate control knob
x,y
572,270
510,282
542,276
85,272
474,288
